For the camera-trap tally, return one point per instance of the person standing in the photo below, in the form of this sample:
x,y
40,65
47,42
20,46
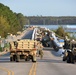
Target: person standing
x,y
41,51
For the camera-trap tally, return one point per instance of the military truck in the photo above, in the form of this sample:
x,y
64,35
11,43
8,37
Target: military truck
x,y
70,54
23,49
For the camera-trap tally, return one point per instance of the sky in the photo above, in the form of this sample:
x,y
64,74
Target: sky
x,y
42,7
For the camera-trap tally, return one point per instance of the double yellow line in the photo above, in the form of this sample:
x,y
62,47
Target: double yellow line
x,y
33,69
9,72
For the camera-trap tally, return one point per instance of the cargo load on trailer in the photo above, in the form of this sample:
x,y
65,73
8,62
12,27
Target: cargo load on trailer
x,y
23,49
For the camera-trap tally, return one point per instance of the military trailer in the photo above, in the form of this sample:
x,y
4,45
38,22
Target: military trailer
x,y
70,54
23,49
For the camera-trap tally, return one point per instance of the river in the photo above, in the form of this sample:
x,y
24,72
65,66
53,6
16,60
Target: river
x,y
53,27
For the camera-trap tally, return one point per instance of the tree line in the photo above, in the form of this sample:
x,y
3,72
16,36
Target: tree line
x,y
10,22
52,20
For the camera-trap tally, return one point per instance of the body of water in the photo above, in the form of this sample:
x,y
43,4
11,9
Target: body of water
x,y
68,28
53,27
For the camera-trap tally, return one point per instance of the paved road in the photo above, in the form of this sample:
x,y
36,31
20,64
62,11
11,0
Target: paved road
x,y
51,64
28,35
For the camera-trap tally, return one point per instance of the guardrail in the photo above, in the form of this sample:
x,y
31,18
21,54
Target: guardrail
x,y
34,34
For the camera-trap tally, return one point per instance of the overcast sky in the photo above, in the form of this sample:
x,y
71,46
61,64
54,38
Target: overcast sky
x,y
42,7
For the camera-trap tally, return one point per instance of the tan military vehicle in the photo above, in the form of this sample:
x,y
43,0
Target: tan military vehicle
x,y
23,49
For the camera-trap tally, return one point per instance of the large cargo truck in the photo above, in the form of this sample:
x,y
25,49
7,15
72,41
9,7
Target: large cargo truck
x,y
23,49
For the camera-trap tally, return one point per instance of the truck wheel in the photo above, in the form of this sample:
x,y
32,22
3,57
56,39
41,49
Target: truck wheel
x,y
72,60
27,59
17,58
33,59
11,58
68,59
64,58
14,58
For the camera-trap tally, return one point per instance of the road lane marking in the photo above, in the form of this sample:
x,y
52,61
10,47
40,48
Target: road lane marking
x,y
30,73
12,73
33,69
34,72
9,72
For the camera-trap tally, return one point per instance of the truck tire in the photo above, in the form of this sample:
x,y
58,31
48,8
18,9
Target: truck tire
x,y
17,58
27,59
14,57
68,59
64,58
33,58
72,60
11,58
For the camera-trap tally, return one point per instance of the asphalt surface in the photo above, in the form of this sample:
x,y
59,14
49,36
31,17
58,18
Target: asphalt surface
x,y
28,35
51,64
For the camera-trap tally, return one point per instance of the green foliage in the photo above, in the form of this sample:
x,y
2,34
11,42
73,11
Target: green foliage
x,y
10,21
21,19
60,32
4,26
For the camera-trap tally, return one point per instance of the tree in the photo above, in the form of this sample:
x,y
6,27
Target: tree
x,y
4,26
9,21
60,31
21,18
